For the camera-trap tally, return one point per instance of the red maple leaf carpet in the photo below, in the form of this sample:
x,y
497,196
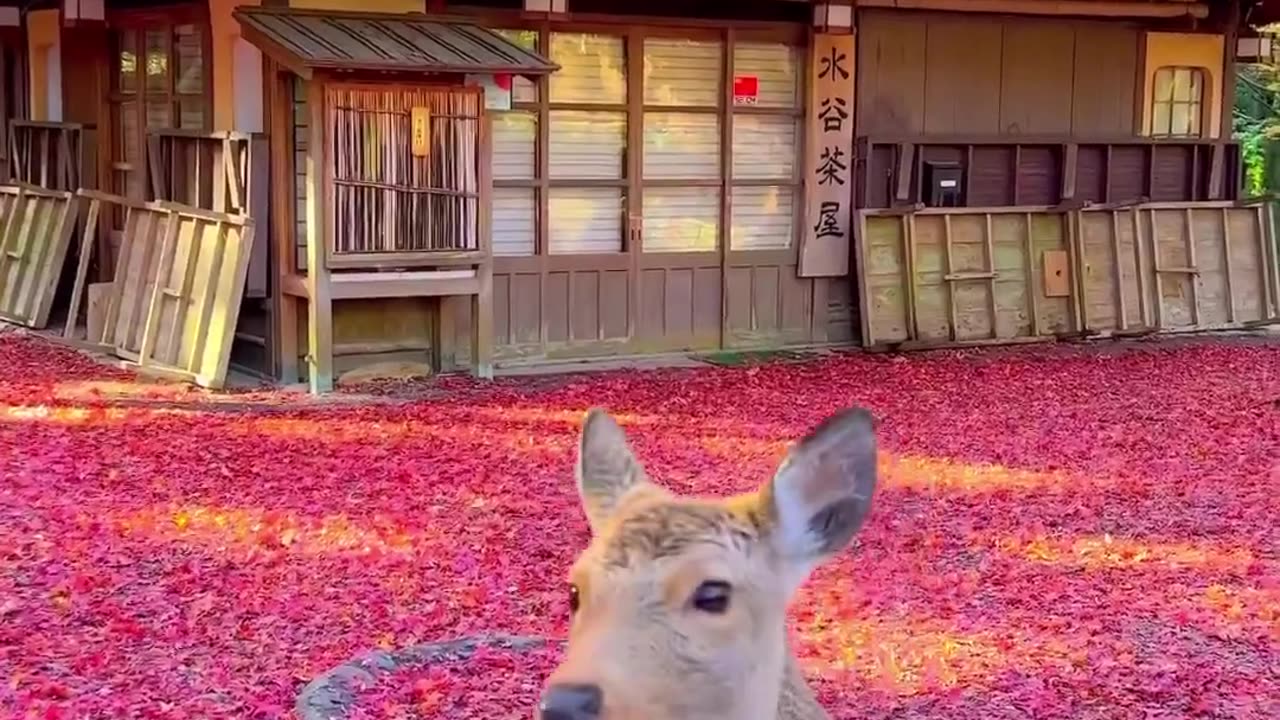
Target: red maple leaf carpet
x,y
1061,532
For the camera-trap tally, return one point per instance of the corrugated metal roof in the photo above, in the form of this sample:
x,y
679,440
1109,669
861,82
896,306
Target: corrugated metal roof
x,y
305,39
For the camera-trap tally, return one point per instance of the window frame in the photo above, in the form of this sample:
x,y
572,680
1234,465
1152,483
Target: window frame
x,y
632,183
140,21
1196,105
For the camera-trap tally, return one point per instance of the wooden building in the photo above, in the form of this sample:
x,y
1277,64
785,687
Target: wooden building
x,y
475,183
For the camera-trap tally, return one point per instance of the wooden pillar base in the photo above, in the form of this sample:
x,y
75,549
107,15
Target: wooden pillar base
x,y
482,325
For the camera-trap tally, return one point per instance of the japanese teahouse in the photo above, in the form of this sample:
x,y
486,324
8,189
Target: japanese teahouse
x,y
303,188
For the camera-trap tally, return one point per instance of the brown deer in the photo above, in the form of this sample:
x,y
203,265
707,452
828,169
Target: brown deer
x,y
679,604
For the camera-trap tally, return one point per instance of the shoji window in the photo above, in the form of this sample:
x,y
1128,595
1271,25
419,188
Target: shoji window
x,y
587,141
766,148
681,169
1178,102
515,163
159,81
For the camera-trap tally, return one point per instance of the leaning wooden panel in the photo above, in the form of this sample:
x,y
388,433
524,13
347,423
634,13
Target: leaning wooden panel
x,y
195,298
37,224
959,276
1243,237
175,300
884,271
1175,267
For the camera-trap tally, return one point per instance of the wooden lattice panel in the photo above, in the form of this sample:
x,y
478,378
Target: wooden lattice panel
x,y
389,199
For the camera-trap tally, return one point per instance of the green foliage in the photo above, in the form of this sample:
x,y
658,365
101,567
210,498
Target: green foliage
x,y
1256,123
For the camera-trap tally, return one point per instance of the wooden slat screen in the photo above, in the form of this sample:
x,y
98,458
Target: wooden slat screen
x,y
385,198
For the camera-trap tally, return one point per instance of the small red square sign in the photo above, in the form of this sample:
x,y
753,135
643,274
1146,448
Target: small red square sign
x,y
746,88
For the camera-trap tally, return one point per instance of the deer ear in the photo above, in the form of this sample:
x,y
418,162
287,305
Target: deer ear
x,y
822,492
607,469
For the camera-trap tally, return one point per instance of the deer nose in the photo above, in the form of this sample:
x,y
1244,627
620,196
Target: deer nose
x,y
571,702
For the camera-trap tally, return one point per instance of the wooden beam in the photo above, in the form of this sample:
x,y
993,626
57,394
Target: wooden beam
x,y
281,260
906,167
1217,163
482,326
1070,159
1194,280
1175,9
319,237
82,267
359,286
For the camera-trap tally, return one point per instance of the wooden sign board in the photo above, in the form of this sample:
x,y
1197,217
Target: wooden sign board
x,y
421,135
829,167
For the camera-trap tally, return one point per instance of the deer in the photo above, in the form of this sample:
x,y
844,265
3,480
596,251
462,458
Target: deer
x,y
678,604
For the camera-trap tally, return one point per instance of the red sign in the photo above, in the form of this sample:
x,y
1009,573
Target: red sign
x,y
746,89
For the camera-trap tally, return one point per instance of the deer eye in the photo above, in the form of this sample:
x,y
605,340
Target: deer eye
x,y
574,599
712,597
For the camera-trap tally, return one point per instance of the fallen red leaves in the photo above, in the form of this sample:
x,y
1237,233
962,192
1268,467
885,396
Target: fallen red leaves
x,y
1063,533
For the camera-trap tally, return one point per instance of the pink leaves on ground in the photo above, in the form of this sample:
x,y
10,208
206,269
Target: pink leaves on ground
x,y
1062,532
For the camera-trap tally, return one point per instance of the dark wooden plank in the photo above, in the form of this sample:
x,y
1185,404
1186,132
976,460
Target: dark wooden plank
x,y
992,179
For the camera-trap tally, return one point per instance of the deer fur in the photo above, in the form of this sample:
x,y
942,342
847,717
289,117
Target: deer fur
x,y
649,630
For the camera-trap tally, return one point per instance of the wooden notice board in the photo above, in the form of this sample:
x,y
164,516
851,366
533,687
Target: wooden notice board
x,y
824,251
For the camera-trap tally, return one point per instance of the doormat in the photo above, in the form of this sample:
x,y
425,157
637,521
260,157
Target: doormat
x,y
731,358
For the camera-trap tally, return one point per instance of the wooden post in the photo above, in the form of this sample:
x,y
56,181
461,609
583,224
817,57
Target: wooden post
x,y
1122,317
1070,158
319,236
159,290
82,267
1193,278
1273,259
1075,263
862,290
909,263
1144,298
1032,288
280,240
1266,262
952,312
1155,271
1226,259
482,302
989,236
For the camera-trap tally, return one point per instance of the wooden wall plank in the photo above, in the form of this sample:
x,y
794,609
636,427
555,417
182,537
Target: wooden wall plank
x,y
1104,81
962,77
891,74
938,73
1037,65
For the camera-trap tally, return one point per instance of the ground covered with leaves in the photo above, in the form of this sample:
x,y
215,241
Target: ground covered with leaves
x,y
1061,532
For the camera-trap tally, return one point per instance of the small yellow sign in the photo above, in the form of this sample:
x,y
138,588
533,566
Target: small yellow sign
x,y
421,142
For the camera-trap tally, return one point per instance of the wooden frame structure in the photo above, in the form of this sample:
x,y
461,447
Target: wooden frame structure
x,y
174,300
1017,171
37,226
973,276
1073,220
47,154
552,305
331,276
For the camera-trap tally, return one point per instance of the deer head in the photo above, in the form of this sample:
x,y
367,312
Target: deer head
x,y
679,604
